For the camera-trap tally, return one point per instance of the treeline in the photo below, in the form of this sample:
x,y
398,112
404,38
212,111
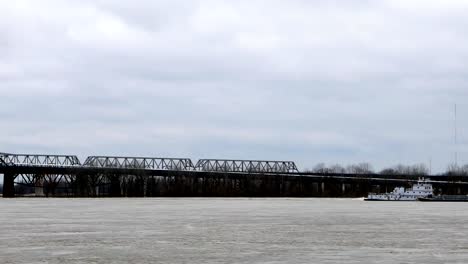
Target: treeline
x,y
366,168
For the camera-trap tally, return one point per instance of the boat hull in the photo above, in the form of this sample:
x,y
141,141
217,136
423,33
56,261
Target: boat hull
x,y
386,200
446,198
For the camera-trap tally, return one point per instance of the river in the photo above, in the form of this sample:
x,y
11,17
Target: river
x,y
211,230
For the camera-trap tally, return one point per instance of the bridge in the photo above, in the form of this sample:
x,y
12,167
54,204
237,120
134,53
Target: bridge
x,y
116,176
251,166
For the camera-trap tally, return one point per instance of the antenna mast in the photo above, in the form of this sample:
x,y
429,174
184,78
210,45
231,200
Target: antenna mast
x,y
455,137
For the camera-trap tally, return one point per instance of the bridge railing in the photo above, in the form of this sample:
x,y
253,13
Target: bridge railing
x,y
178,164
39,160
246,166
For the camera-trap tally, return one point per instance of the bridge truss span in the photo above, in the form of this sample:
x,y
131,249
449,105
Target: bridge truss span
x,y
146,163
246,166
41,160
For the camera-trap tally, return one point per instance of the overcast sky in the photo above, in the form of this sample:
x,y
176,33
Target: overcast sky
x,y
309,81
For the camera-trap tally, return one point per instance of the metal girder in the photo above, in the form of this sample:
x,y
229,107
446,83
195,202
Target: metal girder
x,y
40,160
139,163
255,166
2,156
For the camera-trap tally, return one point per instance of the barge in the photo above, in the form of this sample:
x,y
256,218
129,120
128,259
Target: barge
x,y
445,198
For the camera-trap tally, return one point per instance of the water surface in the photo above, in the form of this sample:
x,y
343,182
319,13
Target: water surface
x,y
192,230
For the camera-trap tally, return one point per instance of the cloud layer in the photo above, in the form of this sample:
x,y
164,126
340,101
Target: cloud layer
x,y
311,81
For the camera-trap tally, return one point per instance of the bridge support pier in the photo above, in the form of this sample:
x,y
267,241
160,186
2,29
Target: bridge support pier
x,y
115,189
8,185
39,186
145,186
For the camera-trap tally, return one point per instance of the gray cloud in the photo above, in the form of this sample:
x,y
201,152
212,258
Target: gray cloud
x,y
309,81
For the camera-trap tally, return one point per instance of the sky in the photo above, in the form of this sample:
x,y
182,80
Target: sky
x,y
309,81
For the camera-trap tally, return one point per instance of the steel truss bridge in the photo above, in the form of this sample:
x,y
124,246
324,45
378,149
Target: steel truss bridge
x,y
65,175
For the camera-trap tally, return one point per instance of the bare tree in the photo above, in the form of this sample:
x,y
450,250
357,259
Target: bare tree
x,y
402,169
320,168
464,169
419,169
453,169
389,171
361,168
337,168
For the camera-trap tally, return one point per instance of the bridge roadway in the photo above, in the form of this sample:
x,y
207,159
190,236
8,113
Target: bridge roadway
x,y
53,170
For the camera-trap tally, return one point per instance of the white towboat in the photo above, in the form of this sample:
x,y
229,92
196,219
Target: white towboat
x,y
421,189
